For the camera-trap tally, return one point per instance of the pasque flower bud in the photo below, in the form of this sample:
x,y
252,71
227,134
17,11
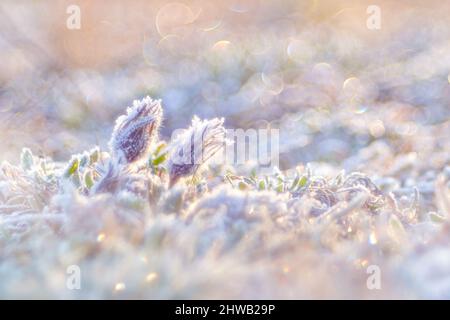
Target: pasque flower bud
x,y
195,146
134,132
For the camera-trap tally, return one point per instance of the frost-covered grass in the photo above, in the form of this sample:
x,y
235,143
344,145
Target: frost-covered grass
x,y
140,223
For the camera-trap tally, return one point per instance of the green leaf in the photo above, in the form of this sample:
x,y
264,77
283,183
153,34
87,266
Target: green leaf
x,y
253,175
242,185
160,159
303,181
72,167
279,188
88,181
436,217
299,182
94,155
159,148
262,185
27,159
84,160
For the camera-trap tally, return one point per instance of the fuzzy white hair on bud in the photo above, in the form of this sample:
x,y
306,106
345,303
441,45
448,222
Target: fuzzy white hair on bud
x,y
135,131
195,146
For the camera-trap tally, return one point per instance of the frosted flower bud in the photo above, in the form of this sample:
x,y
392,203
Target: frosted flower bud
x,y
110,174
195,146
134,132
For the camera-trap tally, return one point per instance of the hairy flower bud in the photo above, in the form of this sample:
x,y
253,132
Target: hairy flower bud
x,y
195,146
110,174
134,132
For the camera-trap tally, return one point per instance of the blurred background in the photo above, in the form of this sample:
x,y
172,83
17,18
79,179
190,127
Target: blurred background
x,y
311,68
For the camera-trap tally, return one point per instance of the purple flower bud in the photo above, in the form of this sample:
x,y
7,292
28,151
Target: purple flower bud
x,y
134,132
194,147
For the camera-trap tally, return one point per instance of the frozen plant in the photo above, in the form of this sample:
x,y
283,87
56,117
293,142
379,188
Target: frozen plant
x,y
128,220
135,131
196,145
